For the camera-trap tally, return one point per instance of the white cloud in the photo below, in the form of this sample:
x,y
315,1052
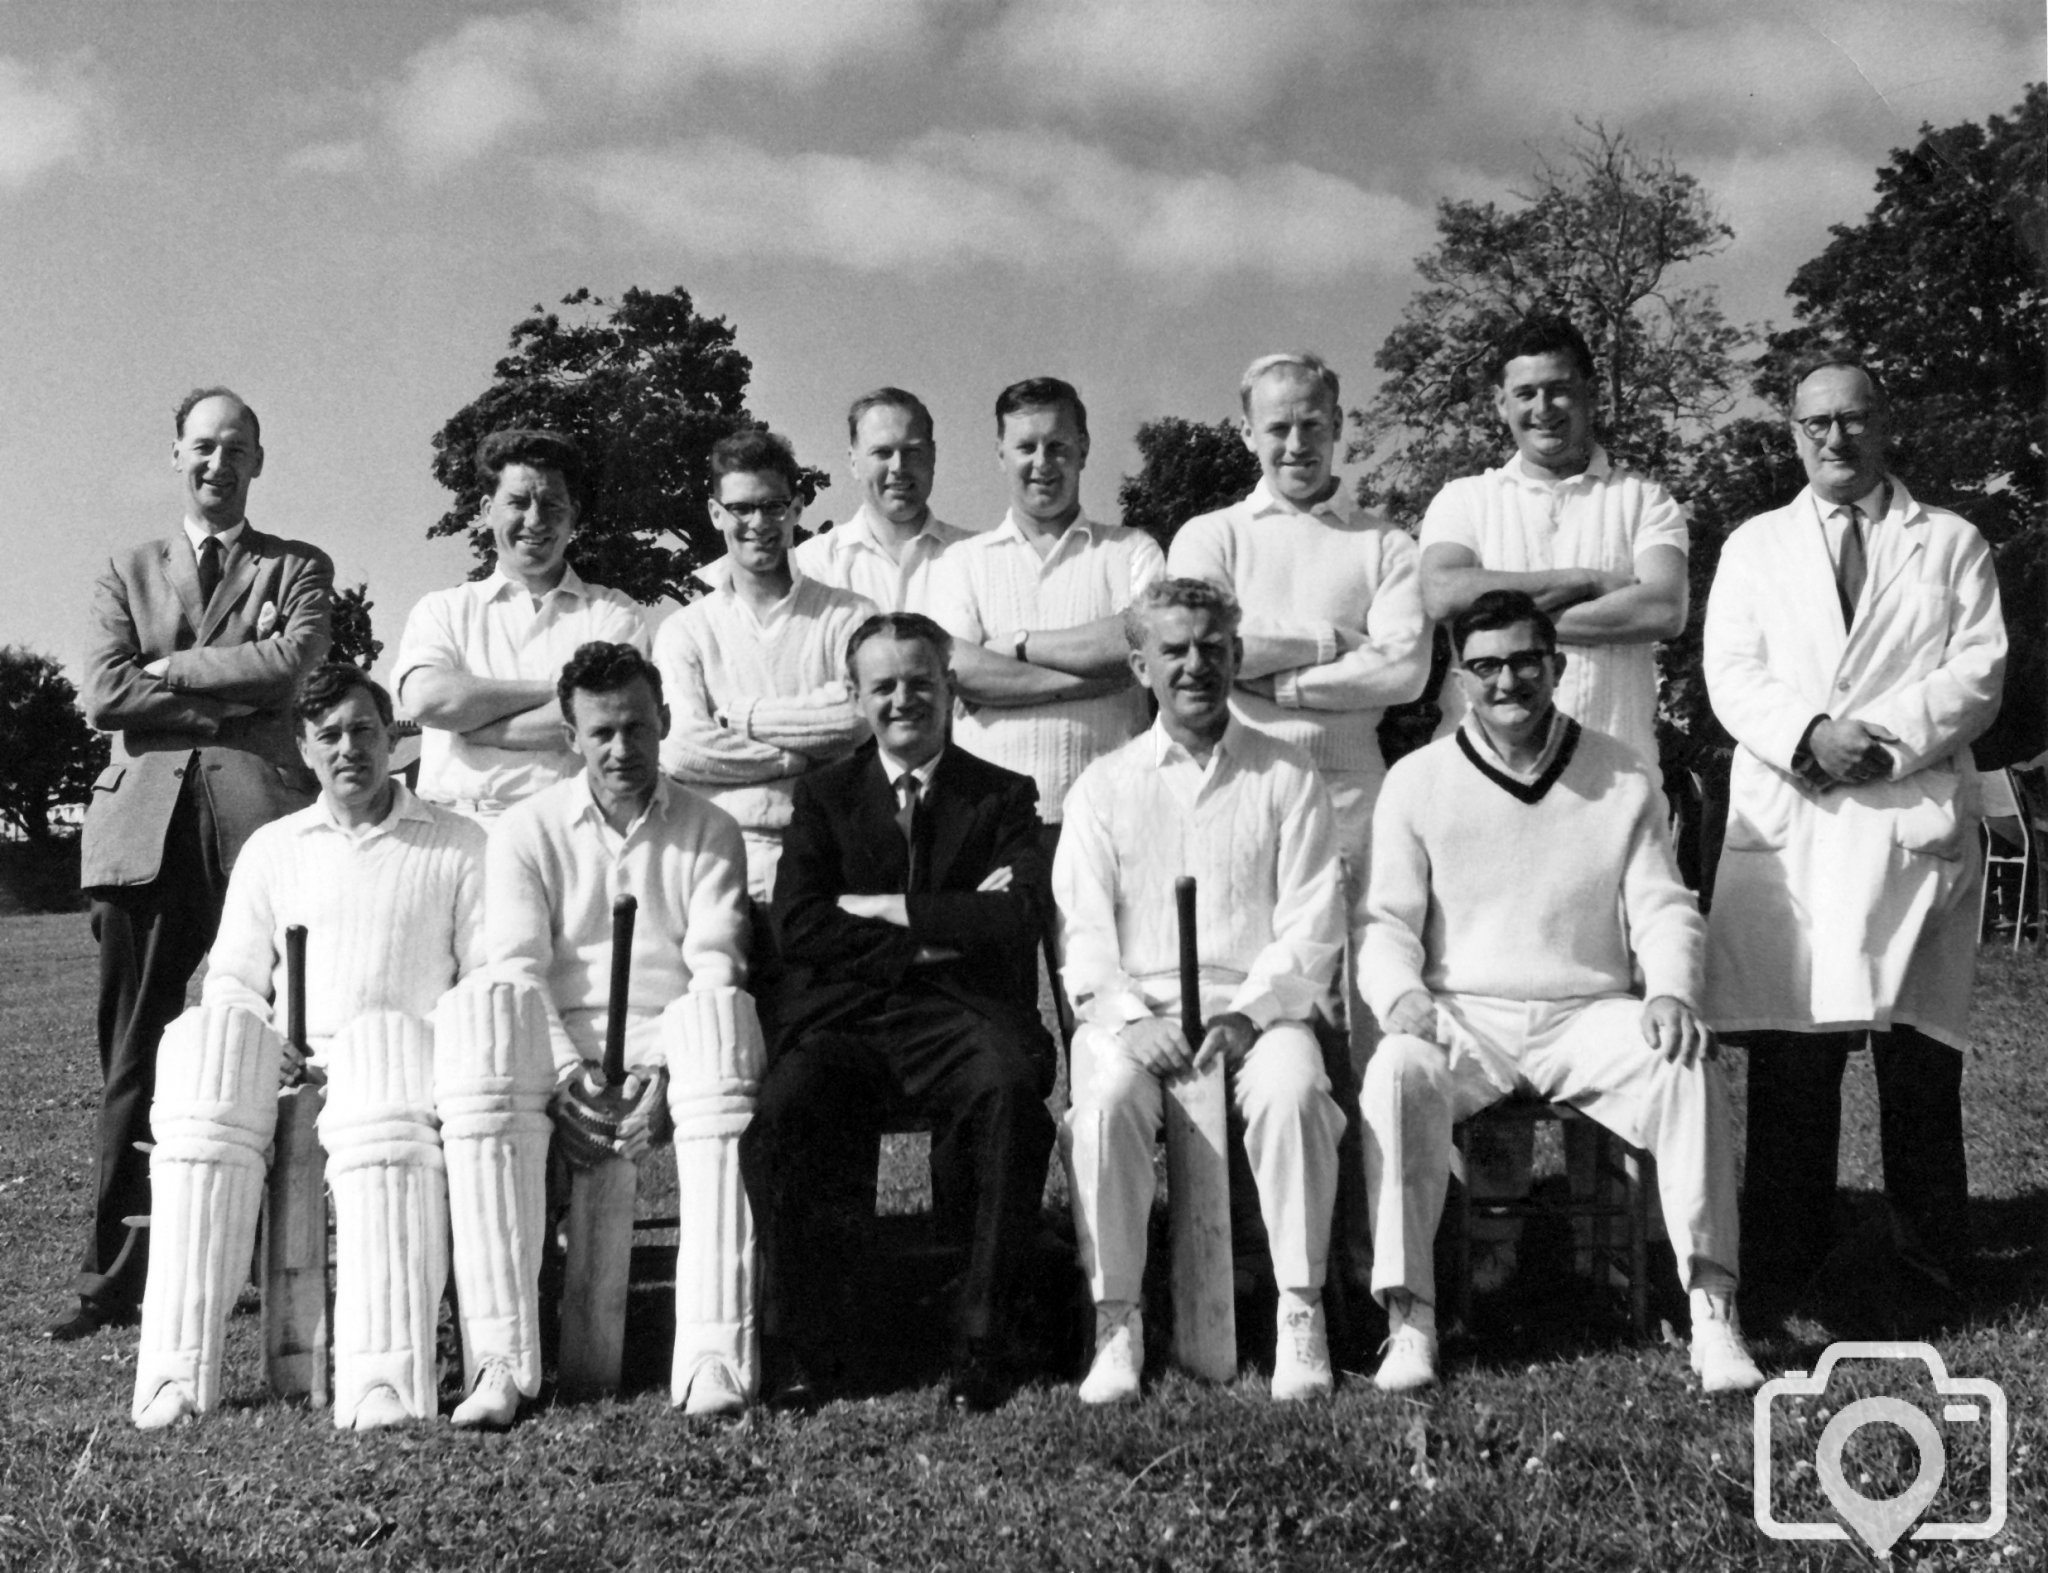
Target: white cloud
x,y
463,95
347,157
47,114
1019,199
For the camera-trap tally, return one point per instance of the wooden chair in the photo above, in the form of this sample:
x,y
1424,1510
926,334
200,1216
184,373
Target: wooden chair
x,y
1615,1160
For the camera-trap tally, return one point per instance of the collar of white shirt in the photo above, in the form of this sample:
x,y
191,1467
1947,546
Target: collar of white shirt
x,y
1167,749
404,806
859,531
196,533
1598,468
586,804
1551,743
1010,530
1264,500
895,769
497,583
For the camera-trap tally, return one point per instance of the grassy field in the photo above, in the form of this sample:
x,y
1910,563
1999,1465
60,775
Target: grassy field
x,y
1556,1444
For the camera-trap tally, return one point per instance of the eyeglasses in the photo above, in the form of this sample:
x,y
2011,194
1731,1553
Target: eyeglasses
x,y
1527,665
1853,423
767,512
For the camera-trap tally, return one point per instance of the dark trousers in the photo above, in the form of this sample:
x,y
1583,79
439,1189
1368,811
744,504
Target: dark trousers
x,y
152,938
1795,1127
808,1156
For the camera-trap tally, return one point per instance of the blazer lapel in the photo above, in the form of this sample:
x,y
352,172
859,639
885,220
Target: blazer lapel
x,y
951,818
1895,540
182,570
236,575
874,814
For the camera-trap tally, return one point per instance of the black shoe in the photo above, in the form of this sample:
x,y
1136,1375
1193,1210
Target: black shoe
x,y
799,1382
977,1384
87,1318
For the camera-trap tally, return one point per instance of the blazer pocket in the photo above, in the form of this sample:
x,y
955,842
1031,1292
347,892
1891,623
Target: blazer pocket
x,y
1925,817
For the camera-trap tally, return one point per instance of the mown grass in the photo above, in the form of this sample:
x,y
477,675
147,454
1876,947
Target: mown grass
x,y
1556,1443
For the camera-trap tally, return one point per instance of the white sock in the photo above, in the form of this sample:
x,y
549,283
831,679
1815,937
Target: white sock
x,y
1299,1300
1108,1313
1404,1310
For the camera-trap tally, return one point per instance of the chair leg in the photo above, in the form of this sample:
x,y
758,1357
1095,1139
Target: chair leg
x,y
1638,1244
1464,1236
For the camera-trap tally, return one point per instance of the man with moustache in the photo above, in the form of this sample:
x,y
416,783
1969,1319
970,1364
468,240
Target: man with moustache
x,y
197,642
1854,648
908,906
754,668
477,664
1199,794
1035,606
887,550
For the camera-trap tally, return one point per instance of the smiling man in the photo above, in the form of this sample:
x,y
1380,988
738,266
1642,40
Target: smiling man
x,y
1035,605
887,550
1204,795
908,908
196,642
1522,882
753,668
477,664
1845,908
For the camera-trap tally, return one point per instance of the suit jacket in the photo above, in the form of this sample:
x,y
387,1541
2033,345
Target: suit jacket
x,y
223,653
836,969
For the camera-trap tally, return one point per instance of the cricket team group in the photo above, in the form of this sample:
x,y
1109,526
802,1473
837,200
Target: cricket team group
x,y
857,783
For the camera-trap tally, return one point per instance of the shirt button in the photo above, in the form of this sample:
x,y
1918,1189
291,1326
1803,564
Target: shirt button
x,y
1842,687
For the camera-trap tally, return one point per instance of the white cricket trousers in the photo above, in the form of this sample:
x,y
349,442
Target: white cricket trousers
x,y
1589,1053
1291,1129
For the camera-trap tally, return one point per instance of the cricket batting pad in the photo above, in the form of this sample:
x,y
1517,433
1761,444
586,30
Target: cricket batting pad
x,y
494,1072
215,1110
716,1059
390,1191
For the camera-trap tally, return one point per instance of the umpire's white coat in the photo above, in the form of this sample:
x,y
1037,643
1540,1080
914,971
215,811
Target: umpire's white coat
x,y
1853,907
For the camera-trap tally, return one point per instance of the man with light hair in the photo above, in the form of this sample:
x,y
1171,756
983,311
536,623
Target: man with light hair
x,y
1199,794
1528,933
1845,906
555,865
886,551
477,663
1035,606
389,891
753,669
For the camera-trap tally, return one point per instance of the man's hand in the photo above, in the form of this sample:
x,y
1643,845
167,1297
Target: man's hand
x,y
1852,751
1262,686
1413,1016
889,909
593,1126
1231,1035
1156,1044
647,1122
158,667
1671,1028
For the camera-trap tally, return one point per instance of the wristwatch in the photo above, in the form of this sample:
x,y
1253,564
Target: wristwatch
x,y
1023,635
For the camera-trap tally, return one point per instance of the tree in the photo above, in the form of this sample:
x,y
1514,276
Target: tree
x,y
1596,238
647,387
353,640
48,754
1187,469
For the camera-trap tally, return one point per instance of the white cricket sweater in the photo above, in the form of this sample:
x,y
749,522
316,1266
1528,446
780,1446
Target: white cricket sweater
x,y
1564,888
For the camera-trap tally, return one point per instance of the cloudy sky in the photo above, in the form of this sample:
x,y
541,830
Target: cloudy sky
x,y
342,207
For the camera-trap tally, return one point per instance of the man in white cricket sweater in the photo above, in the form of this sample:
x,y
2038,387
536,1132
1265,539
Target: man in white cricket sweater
x,y
1035,607
1522,878
888,549
389,891
1199,793
755,669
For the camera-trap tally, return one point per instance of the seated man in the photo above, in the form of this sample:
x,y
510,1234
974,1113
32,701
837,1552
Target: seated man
x,y
1246,815
555,865
1521,879
908,906
752,669
388,889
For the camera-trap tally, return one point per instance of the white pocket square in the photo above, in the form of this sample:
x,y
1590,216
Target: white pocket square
x,y
266,620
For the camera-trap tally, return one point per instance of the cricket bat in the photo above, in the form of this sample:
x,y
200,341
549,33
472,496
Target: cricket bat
x,y
1198,1185
295,1327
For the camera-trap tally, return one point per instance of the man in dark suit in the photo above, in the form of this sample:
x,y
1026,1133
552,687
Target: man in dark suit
x,y
197,642
908,918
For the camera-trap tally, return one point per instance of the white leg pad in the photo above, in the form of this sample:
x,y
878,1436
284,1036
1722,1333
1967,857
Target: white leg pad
x,y
390,1190
716,1058
494,1072
212,1120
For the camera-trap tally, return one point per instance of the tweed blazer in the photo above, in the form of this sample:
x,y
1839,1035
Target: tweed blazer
x,y
223,706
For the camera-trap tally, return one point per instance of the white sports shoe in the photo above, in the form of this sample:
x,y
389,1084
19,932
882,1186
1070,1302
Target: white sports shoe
x,y
714,1392
1301,1353
173,1402
1119,1363
380,1407
1719,1356
493,1402
1408,1361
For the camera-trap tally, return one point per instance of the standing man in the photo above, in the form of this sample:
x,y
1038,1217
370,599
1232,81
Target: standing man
x,y
885,552
555,865
1200,794
1600,549
1854,647
754,668
908,905
1035,606
197,641
477,664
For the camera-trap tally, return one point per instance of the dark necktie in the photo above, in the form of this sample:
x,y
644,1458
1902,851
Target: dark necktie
x,y
1850,565
909,790
209,568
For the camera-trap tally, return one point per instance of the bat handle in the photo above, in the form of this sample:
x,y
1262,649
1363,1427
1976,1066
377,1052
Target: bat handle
x,y
624,910
295,985
1190,961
